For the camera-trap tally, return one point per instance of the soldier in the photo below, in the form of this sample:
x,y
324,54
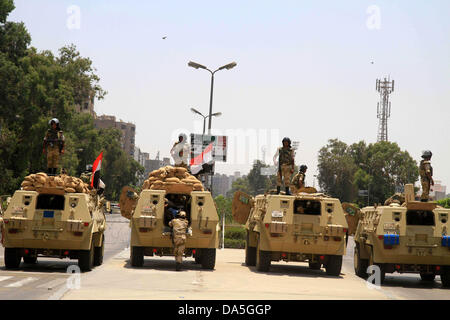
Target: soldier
x,y
298,181
426,175
179,229
54,143
285,159
180,151
86,176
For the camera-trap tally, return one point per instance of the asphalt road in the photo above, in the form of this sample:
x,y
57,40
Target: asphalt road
x,y
48,278
231,279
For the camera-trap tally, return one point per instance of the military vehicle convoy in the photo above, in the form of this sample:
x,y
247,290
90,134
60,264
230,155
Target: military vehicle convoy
x,y
149,221
302,227
51,219
404,236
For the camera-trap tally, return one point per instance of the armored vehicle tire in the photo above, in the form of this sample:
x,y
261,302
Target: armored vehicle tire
x,y
445,279
86,259
427,276
12,258
98,253
250,252
360,264
197,259
315,265
263,259
208,258
334,265
30,260
137,256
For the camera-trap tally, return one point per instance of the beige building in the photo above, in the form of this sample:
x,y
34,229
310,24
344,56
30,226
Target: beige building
x,y
86,104
128,131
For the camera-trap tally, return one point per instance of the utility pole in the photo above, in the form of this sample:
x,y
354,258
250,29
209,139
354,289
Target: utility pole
x,y
385,88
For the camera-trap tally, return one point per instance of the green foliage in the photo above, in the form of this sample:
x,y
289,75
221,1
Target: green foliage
x,y
444,203
235,233
379,167
37,86
223,205
234,243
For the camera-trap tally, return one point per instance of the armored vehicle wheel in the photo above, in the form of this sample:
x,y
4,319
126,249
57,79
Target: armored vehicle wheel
x,y
263,259
30,260
315,265
197,258
208,258
250,252
334,265
427,276
137,256
86,259
12,258
445,278
360,264
98,253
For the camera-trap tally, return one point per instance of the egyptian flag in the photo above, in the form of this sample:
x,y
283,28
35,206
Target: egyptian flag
x,y
96,167
203,162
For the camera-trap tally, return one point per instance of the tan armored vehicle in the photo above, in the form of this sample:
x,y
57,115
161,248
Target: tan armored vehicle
x,y
149,219
48,220
302,227
404,237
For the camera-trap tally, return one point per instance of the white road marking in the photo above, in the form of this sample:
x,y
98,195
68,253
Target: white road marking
x,y
4,278
52,284
21,282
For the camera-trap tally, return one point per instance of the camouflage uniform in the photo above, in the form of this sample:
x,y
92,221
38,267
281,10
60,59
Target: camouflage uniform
x,y
86,177
179,227
298,182
285,166
54,143
424,168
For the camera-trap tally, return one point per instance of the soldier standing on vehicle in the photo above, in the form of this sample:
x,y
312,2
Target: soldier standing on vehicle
x,y
298,181
179,228
426,175
54,144
285,159
180,151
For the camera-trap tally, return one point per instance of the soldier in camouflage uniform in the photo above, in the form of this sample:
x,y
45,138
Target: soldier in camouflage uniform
x,y
426,175
285,157
298,181
86,176
54,144
179,228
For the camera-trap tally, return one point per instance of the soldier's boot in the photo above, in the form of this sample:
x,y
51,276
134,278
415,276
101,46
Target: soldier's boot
x,y
177,266
288,192
278,189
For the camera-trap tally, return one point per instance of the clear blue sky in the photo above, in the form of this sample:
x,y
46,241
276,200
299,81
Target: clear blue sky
x,y
304,68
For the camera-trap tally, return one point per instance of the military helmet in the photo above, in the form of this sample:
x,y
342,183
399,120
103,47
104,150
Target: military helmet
x,y
303,167
182,135
56,121
426,154
287,140
182,214
89,167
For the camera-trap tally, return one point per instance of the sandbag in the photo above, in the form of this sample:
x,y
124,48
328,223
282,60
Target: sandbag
x,y
69,190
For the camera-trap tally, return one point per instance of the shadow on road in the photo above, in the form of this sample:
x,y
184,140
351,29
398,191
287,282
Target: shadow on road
x,y
293,271
410,282
44,266
166,265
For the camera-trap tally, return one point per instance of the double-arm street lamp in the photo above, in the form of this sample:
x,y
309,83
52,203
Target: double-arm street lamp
x,y
199,66
217,114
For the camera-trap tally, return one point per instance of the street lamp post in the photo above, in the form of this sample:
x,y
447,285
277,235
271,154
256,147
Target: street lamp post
x,y
217,114
199,66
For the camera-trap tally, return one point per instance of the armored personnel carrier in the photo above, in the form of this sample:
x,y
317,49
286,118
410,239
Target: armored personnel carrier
x,y
404,236
302,227
48,217
149,219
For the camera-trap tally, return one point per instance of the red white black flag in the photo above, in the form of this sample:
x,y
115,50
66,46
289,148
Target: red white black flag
x,y
200,163
97,166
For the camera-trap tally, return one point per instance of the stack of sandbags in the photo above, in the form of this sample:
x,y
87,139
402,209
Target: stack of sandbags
x,y
172,179
41,180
